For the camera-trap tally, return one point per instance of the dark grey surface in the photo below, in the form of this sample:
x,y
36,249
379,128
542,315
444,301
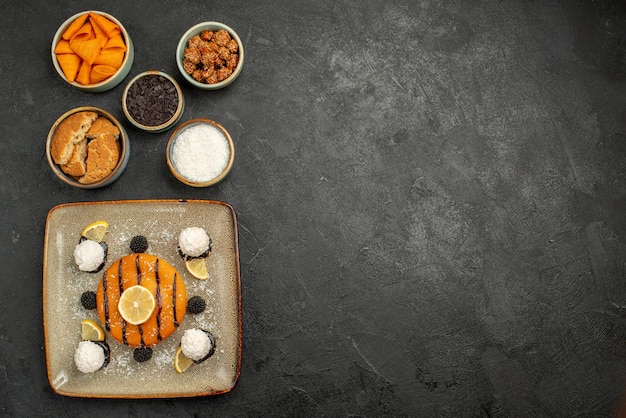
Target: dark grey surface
x,y
430,196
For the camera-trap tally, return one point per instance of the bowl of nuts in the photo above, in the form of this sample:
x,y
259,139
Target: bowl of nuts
x,y
210,55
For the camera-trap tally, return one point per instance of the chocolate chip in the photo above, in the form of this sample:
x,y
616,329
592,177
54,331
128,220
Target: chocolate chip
x,y
152,100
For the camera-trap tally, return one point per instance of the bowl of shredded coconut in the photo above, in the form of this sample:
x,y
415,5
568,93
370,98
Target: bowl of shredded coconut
x,y
200,152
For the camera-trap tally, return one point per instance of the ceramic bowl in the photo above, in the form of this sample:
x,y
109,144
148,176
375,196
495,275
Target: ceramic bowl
x,y
200,152
143,101
123,144
197,30
114,79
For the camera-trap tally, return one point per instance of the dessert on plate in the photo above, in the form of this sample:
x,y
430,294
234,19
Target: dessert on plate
x,y
141,299
164,284
91,356
194,242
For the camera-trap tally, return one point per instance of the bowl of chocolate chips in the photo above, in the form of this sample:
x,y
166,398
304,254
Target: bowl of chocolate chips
x,y
153,101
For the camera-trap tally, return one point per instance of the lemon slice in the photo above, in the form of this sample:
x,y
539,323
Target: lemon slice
x,y
197,268
136,305
95,231
181,361
91,331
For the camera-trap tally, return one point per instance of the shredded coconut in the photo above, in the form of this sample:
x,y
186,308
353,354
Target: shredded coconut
x,y
200,152
89,357
195,344
194,241
88,255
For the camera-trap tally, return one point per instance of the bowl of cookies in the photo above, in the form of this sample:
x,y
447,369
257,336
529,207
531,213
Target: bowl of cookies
x,y
87,147
210,55
92,51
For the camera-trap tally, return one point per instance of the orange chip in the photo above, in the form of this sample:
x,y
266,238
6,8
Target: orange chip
x,y
100,34
84,33
92,49
69,63
109,27
63,47
110,58
74,26
115,43
84,73
101,72
87,50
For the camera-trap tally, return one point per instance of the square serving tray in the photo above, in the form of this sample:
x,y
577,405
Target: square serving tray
x,y
160,221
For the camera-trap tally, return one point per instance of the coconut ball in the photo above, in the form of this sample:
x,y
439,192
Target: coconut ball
x,y
89,255
195,344
194,242
89,357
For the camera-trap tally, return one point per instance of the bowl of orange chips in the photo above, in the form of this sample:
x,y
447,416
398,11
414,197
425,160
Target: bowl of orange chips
x,y
92,51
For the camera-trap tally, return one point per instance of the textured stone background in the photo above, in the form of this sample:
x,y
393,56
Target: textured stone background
x,y
431,201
